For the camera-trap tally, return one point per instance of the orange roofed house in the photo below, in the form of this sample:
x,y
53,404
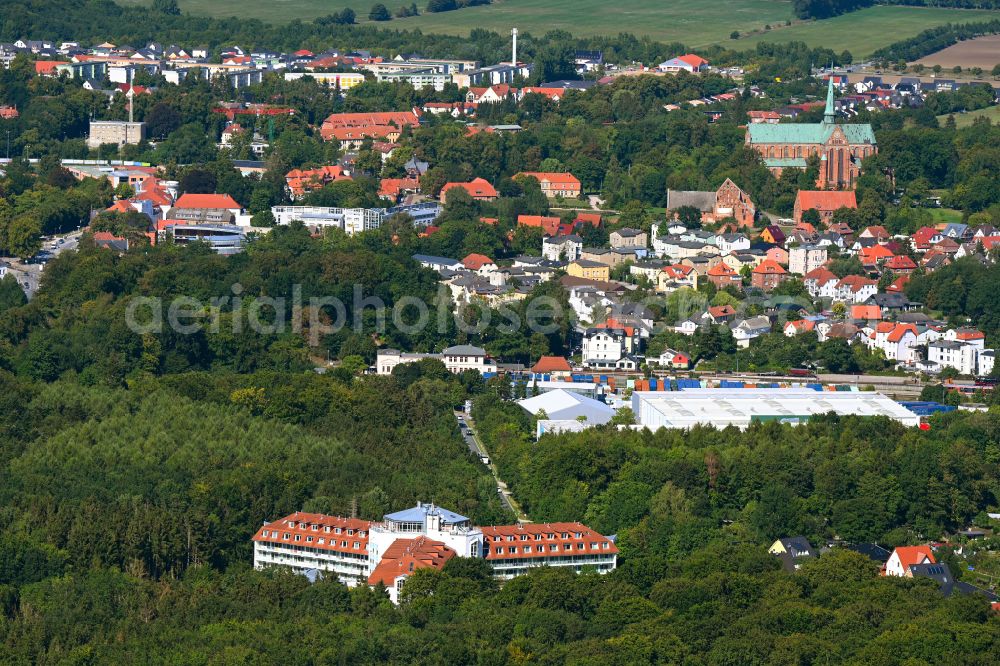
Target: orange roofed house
x,y
479,189
425,536
552,365
351,129
550,225
302,181
768,275
555,184
904,557
824,202
205,209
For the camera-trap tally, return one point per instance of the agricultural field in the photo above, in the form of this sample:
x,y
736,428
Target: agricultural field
x,y
865,31
694,23
966,119
982,52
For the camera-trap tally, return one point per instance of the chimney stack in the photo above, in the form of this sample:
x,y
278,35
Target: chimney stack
x,y
513,55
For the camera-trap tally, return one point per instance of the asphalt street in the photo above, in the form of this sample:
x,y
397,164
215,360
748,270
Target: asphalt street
x,y
467,427
29,273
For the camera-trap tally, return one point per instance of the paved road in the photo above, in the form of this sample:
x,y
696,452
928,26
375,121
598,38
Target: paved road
x,y
467,426
29,275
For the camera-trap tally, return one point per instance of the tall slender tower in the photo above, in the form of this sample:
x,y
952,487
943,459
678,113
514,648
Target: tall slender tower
x,y
513,54
830,114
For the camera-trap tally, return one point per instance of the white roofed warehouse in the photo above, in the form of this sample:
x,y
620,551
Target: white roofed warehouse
x,y
743,407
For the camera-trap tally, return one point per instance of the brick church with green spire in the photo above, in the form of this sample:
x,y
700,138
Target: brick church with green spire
x,y
840,147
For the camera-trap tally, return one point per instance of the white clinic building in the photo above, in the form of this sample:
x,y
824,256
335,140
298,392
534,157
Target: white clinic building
x,y
425,535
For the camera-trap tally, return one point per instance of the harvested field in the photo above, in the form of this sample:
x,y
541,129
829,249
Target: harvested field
x,y
981,52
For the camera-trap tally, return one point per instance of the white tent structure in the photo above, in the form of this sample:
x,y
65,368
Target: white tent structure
x,y
742,407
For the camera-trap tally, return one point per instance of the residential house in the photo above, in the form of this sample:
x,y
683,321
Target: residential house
x,y
676,276
747,329
799,326
728,243
769,117
855,289
793,552
479,189
555,184
874,256
479,263
607,348
721,314
302,181
925,238
550,225
590,270
689,62
670,358
628,238
805,258
865,313
722,276
768,275
773,235
900,265
825,202
821,283
562,248
903,557
556,366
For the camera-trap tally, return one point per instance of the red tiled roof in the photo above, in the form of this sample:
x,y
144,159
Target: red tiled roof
x,y
678,270
322,529
150,189
391,187
593,219
721,310
855,282
211,201
549,224
405,556
536,540
899,283
302,180
769,267
693,60
722,270
874,253
551,364
821,274
479,188
824,200
910,555
866,312
476,261
801,325
969,334
120,206
900,331
876,231
900,263
45,67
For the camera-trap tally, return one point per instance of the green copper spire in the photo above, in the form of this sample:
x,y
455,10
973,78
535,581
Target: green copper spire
x,y
829,116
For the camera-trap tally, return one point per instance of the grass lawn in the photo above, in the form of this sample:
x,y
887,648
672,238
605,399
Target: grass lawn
x,y
688,21
966,119
946,215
